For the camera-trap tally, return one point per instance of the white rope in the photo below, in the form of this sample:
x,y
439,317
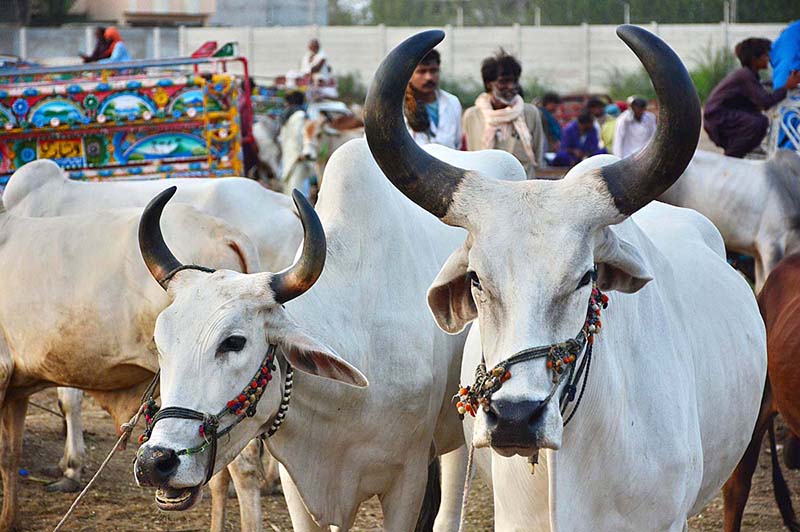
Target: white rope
x,y
467,483
127,428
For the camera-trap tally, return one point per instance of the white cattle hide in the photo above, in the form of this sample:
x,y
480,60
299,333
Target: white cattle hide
x,y
41,188
754,204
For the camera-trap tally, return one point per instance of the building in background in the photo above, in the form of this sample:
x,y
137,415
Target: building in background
x,y
147,12
270,13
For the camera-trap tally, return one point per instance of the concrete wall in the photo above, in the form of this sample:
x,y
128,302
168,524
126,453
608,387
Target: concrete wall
x,y
567,58
270,13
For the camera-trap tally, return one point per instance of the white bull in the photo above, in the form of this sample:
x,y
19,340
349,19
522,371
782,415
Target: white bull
x,y
368,306
754,204
42,189
675,381
79,308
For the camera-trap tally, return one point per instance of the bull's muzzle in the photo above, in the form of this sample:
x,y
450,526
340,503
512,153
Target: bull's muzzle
x,y
515,424
155,465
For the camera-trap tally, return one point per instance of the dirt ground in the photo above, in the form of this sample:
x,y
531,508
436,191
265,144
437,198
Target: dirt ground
x,y
116,504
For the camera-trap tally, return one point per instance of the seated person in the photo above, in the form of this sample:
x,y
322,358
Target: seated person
x,y
579,141
733,115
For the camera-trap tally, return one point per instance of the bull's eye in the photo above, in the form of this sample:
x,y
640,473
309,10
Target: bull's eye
x,y
474,281
232,344
585,279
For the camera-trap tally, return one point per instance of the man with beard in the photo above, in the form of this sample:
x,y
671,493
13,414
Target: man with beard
x,y
501,119
432,115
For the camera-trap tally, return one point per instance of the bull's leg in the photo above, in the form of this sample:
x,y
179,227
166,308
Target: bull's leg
x,y
454,471
13,424
301,519
247,474
402,502
71,464
736,490
219,494
272,476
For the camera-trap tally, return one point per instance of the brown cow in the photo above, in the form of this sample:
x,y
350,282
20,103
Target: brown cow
x,y
778,302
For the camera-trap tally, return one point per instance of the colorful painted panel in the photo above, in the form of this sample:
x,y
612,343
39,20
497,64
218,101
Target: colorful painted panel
x,y
54,112
7,117
126,106
193,99
130,148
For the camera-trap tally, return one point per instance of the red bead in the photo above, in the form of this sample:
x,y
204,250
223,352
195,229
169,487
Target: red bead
x,y
263,382
231,404
241,398
269,376
264,371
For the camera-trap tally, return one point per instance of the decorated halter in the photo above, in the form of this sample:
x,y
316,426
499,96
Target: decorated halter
x,y
242,406
561,360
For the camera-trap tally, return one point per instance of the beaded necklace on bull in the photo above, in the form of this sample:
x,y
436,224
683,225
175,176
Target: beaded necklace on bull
x,y
561,358
242,406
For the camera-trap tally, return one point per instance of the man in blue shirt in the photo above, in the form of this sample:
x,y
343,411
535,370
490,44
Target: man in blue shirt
x,y
578,141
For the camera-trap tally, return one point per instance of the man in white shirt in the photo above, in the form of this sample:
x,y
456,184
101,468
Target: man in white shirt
x,y
432,115
634,128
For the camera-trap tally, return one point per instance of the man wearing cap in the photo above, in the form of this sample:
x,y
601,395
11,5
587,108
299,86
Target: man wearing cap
x,y
608,127
634,128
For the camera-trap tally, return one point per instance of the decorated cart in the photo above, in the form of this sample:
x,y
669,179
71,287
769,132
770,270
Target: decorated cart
x,y
139,119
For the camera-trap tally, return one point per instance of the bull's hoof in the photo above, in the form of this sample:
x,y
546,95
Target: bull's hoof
x,y
53,471
63,485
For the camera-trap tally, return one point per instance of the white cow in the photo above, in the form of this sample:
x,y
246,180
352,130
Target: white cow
x,y
42,189
754,204
79,309
675,381
368,306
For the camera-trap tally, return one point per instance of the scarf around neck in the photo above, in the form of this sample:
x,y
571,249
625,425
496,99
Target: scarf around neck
x,y
500,123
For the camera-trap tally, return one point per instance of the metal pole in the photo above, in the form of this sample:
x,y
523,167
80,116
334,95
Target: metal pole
x,y
726,11
732,16
537,16
87,37
460,14
157,42
23,42
627,12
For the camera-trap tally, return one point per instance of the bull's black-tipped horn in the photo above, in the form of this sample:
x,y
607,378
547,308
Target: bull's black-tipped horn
x,y
639,179
301,275
426,180
159,259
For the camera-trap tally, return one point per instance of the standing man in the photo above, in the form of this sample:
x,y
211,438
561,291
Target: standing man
x,y
501,119
432,115
634,128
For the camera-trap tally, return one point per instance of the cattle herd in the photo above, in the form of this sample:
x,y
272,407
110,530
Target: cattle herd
x,y
587,349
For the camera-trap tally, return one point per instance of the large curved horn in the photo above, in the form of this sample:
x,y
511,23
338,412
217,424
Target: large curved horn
x,y
301,275
159,259
426,180
639,179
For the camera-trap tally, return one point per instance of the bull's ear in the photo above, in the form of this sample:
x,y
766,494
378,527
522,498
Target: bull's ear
x,y
450,296
311,356
620,267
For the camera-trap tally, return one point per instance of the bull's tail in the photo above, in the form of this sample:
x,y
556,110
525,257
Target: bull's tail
x,y
782,494
433,498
